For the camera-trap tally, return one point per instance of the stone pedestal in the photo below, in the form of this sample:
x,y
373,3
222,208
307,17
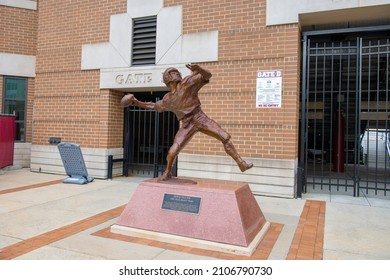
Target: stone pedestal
x,y
208,214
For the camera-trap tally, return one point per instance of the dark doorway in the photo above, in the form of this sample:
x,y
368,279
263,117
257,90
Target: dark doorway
x,y
148,137
344,138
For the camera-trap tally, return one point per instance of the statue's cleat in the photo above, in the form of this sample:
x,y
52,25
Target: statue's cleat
x,y
245,166
165,177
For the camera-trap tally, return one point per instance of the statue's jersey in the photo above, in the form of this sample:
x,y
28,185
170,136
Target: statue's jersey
x,y
184,99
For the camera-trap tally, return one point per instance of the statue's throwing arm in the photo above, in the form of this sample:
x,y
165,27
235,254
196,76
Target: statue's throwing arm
x,y
129,99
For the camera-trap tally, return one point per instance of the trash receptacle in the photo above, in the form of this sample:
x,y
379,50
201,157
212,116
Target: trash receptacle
x,y
7,139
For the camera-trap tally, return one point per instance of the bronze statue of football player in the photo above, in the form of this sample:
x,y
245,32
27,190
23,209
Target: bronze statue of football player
x,y
183,100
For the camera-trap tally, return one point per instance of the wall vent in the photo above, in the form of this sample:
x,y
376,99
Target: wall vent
x,y
144,41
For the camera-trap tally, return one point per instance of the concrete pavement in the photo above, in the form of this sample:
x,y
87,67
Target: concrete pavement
x,y
37,206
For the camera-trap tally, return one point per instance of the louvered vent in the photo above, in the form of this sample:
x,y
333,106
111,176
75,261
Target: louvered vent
x,y
144,41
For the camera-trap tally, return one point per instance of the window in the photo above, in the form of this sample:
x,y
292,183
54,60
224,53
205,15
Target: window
x,y
15,93
144,41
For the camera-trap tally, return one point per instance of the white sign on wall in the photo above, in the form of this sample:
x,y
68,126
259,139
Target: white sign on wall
x,y
269,89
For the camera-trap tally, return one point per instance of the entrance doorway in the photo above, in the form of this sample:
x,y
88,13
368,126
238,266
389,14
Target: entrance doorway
x,y
344,127
148,137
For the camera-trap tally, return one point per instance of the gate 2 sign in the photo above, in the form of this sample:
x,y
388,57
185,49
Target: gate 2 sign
x,y
269,89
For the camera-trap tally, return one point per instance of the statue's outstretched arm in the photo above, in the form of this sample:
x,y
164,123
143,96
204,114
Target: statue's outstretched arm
x,y
129,99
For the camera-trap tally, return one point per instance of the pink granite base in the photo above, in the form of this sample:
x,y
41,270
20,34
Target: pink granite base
x,y
228,211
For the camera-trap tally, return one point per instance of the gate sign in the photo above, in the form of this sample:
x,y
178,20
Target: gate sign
x,y
269,89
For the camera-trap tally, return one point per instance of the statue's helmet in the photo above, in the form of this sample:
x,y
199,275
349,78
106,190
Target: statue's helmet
x,y
167,77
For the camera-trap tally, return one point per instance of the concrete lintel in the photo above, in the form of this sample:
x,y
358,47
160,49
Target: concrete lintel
x,y
286,12
137,78
17,65
23,4
142,8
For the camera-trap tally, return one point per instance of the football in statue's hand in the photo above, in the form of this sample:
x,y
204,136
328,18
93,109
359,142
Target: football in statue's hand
x,y
127,100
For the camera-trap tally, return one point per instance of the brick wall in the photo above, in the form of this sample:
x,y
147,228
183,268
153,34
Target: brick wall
x,y
68,102
115,120
245,46
18,30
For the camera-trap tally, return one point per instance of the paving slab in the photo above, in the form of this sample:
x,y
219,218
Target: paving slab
x,y
9,205
53,253
23,177
357,232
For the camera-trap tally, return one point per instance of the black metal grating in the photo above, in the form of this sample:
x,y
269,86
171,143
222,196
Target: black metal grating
x,y
345,114
148,137
144,41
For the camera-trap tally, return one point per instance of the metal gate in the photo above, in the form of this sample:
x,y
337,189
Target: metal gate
x,y
344,129
148,137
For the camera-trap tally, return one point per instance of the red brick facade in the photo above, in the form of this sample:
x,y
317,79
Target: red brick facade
x,y
69,103
19,29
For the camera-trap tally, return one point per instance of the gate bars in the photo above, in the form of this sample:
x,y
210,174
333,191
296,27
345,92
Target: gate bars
x,y
344,112
374,112
148,137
